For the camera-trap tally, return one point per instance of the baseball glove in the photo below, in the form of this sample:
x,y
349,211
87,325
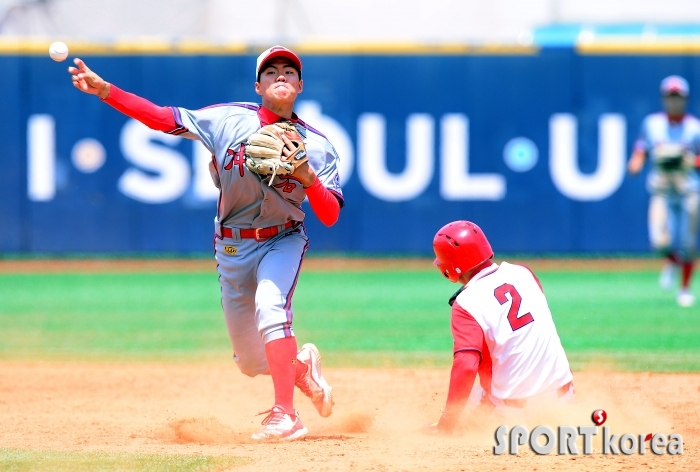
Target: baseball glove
x,y
669,156
276,149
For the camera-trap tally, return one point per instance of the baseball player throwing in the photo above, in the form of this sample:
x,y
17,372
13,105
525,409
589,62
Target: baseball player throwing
x,y
672,141
260,237
502,328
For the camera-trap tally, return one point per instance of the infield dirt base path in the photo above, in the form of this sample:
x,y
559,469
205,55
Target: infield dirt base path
x,y
210,409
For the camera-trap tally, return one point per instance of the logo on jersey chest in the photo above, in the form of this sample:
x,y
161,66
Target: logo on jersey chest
x,y
237,158
230,250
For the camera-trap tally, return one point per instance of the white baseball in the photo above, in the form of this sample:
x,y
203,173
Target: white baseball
x,y
58,51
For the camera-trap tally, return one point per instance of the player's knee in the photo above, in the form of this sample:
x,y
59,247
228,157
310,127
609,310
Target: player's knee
x,y
249,373
253,371
252,367
266,308
268,301
275,320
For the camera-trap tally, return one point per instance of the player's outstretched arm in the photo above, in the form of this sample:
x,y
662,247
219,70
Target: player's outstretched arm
x,y
154,116
85,80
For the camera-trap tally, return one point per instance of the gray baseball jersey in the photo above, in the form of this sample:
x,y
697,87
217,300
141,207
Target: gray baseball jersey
x,y
257,277
244,202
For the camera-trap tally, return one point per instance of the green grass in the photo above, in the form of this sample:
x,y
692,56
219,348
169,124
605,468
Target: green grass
x,y
110,315
370,319
623,318
20,460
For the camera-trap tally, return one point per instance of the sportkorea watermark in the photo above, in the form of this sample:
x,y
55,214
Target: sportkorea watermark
x,y
564,440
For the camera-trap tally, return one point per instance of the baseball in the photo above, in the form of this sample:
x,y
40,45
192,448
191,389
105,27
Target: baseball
x,y
58,51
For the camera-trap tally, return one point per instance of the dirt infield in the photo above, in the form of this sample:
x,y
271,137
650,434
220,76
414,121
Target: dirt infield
x,y
210,409
334,264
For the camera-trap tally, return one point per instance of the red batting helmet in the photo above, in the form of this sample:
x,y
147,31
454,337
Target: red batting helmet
x,y
460,246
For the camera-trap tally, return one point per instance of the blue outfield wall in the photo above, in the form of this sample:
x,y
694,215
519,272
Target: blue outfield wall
x,y
531,147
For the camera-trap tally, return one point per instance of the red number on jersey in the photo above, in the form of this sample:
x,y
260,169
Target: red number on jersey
x,y
515,321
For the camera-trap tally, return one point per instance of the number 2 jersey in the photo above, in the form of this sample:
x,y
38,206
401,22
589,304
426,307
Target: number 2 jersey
x,y
502,313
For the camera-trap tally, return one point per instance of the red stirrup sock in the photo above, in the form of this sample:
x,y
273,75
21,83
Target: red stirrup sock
x,y
282,358
687,272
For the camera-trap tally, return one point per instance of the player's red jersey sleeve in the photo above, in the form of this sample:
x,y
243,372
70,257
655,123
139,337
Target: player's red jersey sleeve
x,y
467,334
154,116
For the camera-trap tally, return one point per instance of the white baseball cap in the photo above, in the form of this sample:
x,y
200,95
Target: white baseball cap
x,y
273,52
675,84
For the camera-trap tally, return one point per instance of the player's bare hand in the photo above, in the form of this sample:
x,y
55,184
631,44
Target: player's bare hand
x,y
85,80
305,174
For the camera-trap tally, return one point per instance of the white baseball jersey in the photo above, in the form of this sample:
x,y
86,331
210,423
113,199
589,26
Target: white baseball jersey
x,y
657,130
509,305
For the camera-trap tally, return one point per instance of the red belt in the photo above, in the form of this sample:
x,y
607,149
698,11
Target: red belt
x,y
259,234
522,402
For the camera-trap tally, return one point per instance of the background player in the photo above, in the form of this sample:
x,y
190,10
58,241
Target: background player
x,y
502,328
672,140
260,238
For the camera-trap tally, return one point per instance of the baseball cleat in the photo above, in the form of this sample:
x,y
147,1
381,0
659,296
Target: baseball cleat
x,y
312,384
685,298
279,425
667,276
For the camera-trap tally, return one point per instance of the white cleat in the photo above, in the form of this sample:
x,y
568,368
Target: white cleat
x,y
280,426
312,384
685,298
668,275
